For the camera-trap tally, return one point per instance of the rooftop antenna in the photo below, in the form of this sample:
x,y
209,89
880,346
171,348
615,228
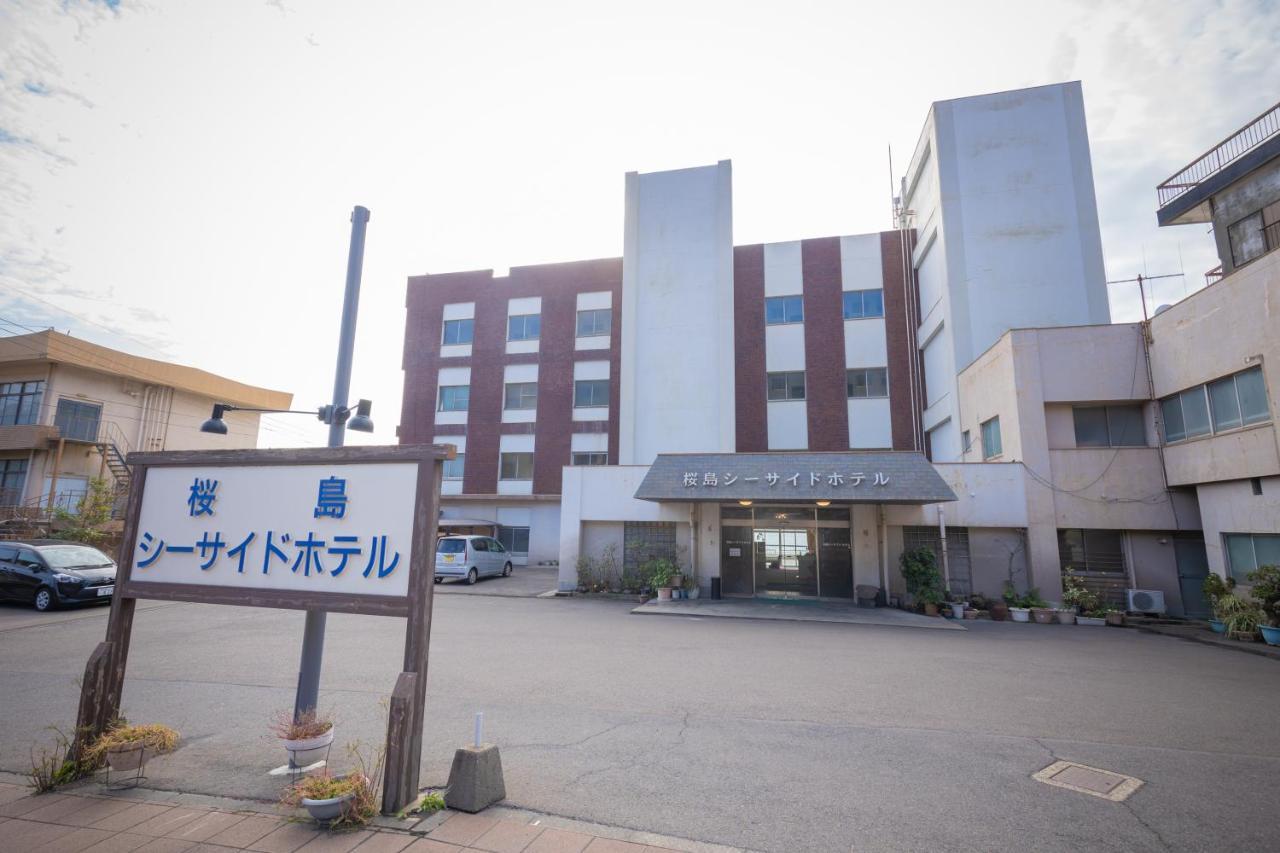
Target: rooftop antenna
x,y
1141,290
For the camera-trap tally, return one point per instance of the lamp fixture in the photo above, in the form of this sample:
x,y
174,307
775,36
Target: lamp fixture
x,y
744,503
824,503
327,414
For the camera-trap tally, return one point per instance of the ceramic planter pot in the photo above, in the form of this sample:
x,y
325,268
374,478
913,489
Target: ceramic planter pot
x,y
1218,626
664,593
1044,615
1270,635
677,580
999,611
695,592
970,613
327,810
1019,614
1096,621
931,610
1115,620
957,608
128,758
306,751
1244,636
1066,617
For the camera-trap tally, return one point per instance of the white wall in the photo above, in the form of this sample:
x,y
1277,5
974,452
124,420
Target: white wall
x,y
677,312
788,423
869,424
541,517
1234,508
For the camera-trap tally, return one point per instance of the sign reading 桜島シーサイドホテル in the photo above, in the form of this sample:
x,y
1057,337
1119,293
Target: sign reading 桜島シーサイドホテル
x,y
316,528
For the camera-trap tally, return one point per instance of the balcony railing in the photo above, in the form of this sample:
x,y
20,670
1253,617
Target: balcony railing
x,y
1213,276
1222,155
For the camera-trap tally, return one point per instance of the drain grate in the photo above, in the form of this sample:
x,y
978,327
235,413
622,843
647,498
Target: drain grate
x,y
1088,780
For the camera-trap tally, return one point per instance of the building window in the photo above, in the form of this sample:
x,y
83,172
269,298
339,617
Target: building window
x,y
515,466
991,447
1247,551
966,441
78,421
524,327
454,398
590,393
592,457
860,304
1109,426
514,539
13,476
20,402
521,395
867,382
783,309
455,468
786,386
1091,550
1255,235
458,332
1229,403
594,322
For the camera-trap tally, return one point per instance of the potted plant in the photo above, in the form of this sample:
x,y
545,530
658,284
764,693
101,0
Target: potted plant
x,y
328,798
691,587
1215,587
1096,618
306,738
661,572
1266,589
1114,618
922,579
971,612
1077,597
1241,616
124,747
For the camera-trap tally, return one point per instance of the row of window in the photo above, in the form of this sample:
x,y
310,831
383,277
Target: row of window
x,y
1224,404
860,382
857,305
20,403
593,322
20,406
519,465
587,393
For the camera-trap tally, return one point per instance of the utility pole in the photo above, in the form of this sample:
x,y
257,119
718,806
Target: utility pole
x,y
313,633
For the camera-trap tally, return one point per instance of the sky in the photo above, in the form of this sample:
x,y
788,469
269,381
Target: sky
x,y
177,178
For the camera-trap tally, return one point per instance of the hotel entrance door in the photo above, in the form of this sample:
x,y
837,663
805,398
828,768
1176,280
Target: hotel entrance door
x,y
786,551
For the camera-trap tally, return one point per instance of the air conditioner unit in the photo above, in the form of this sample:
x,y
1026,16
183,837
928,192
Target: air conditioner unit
x,y
1146,601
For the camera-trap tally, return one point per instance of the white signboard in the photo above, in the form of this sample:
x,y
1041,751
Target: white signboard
x,y
330,528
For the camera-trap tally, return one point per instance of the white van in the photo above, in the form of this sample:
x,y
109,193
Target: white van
x,y
471,557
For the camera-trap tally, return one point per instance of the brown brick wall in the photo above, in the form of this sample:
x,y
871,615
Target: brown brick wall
x,y
900,321
750,414
826,400
558,285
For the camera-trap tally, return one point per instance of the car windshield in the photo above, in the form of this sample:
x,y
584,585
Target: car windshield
x,y
451,546
73,557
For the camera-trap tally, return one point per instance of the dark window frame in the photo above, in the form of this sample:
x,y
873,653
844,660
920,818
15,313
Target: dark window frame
x,y
525,322
470,332
440,398
594,329
597,457
521,388
593,387
853,304
788,387
867,373
515,456
20,402
790,309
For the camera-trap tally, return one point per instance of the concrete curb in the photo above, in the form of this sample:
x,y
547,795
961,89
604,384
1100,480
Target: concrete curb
x,y
1258,649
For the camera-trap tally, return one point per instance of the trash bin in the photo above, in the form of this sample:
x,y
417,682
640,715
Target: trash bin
x,y
715,588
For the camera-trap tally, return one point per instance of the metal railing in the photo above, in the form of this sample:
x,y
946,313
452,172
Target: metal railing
x,y
1213,276
1221,155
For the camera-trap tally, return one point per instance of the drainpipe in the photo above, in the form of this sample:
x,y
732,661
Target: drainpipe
x,y
884,553
942,533
693,541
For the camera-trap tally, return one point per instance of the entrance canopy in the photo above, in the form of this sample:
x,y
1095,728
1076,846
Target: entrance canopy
x,y
877,476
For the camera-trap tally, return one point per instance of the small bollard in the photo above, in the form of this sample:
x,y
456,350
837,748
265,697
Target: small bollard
x,y
475,779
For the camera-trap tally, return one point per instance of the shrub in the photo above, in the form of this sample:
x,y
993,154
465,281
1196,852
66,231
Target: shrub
x,y
921,576
1266,589
1214,587
309,725
158,738
364,783
53,767
1076,594
1238,614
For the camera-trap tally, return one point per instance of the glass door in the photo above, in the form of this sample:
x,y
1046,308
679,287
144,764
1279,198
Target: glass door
x,y
835,561
786,561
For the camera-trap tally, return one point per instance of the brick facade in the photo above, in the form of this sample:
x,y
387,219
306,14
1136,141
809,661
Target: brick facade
x,y
750,415
826,398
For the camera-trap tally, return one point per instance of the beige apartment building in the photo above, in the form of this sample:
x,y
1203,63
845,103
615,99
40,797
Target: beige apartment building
x,y
71,411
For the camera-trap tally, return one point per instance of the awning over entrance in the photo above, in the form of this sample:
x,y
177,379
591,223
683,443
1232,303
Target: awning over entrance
x,y
877,476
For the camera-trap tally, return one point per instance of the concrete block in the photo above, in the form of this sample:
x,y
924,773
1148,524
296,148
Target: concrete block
x,y
475,780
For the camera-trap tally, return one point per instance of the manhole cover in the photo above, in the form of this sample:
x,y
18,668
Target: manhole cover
x,y
1088,780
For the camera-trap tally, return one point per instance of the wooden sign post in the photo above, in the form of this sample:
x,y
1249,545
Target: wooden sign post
x,y
349,530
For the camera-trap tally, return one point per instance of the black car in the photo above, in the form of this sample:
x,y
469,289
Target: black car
x,y
50,573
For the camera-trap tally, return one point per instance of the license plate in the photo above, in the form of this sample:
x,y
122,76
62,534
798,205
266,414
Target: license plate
x,y
448,558
105,590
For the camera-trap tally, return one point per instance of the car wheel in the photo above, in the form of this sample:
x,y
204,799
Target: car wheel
x,y
506,570
472,577
44,600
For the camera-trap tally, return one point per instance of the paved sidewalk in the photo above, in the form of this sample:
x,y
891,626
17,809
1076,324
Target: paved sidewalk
x,y
795,610
157,822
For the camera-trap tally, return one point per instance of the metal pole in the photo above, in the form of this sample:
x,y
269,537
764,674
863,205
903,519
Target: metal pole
x,y
313,633
942,535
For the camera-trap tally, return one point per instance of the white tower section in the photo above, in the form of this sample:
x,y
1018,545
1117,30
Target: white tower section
x,y
677,391
1001,187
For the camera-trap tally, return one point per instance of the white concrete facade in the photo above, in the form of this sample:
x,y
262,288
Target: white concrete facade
x,y
1000,189
677,311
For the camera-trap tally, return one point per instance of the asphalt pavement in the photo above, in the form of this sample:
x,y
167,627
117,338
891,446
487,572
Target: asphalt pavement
x,y
771,736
